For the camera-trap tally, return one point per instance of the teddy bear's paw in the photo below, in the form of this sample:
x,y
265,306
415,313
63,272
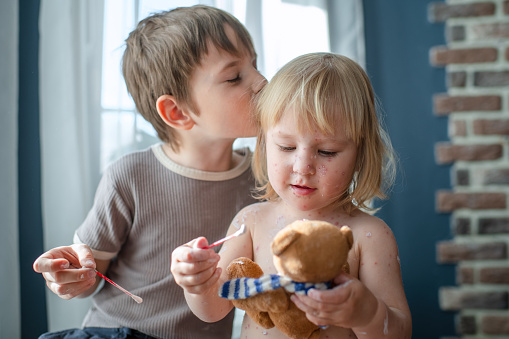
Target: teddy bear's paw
x,y
276,301
315,334
262,319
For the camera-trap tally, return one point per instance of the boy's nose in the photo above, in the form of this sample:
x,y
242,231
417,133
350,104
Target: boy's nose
x,y
259,83
303,165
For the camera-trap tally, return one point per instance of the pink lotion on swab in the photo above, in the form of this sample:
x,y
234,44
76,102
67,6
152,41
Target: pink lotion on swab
x,y
240,231
139,300
135,297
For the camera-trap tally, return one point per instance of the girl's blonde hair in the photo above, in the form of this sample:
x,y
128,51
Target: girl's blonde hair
x,y
327,91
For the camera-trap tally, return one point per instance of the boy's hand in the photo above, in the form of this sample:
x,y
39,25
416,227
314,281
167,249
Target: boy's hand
x,y
194,268
68,270
350,304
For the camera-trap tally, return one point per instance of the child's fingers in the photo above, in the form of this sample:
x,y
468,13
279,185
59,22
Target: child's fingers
x,y
69,291
202,282
194,267
57,259
190,252
85,256
46,263
71,275
334,296
311,308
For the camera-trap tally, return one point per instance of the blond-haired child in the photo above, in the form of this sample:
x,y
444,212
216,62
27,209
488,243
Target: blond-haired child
x,y
321,155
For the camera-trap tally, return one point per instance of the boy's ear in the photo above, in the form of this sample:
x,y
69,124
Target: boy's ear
x,y
173,114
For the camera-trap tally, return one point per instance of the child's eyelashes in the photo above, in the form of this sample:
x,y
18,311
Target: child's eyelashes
x,y
320,152
234,80
286,148
327,153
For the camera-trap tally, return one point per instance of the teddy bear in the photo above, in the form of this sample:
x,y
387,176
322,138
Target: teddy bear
x,y
308,254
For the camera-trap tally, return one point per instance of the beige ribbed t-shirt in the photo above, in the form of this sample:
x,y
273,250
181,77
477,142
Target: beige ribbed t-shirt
x,y
145,206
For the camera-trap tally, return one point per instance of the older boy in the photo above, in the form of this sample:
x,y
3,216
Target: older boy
x,y
192,74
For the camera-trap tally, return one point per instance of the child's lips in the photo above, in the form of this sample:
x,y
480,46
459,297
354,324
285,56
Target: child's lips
x,y
302,190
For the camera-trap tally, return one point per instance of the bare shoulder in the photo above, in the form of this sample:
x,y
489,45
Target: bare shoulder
x,y
373,238
368,226
250,213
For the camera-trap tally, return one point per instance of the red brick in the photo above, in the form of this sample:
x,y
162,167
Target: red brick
x,y
495,324
448,201
465,275
456,79
497,30
494,275
466,324
452,252
491,79
494,176
454,299
441,55
444,104
447,153
440,11
462,177
455,33
493,225
460,226
491,126
457,128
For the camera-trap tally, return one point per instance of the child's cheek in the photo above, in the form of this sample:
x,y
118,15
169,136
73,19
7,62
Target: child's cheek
x,y
321,170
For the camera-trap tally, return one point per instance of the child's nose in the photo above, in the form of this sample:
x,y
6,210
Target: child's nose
x,y
304,165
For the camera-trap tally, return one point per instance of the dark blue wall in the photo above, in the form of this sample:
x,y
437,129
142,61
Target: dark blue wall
x,y
398,39
32,287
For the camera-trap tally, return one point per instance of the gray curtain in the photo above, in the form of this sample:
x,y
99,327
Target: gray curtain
x,y
9,259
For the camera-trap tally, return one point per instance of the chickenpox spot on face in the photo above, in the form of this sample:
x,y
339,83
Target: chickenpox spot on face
x,y
322,170
368,234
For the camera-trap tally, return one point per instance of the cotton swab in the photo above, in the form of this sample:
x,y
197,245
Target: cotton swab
x,y
135,297
139,300
240,231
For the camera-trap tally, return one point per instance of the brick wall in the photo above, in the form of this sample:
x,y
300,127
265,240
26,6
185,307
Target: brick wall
x,y
476,59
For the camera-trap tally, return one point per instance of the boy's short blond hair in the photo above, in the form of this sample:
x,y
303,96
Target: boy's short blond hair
x,y
165,48
327,91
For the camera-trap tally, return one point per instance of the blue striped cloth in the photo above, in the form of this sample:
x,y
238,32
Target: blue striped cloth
x,y
242,288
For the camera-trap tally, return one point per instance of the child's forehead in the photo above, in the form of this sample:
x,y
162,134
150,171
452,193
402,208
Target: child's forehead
x,y
294,125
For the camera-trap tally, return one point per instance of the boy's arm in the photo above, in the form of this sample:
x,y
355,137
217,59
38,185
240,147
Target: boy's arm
x,y
201,272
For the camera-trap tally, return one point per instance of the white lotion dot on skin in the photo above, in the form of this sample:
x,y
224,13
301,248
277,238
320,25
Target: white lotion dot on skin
x,y
386,322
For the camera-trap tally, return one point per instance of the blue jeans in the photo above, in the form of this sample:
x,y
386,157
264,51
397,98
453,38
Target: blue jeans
x,y
96,333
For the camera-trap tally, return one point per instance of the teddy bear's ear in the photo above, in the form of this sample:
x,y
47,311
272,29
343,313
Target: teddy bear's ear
x,y
347,232
284,239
